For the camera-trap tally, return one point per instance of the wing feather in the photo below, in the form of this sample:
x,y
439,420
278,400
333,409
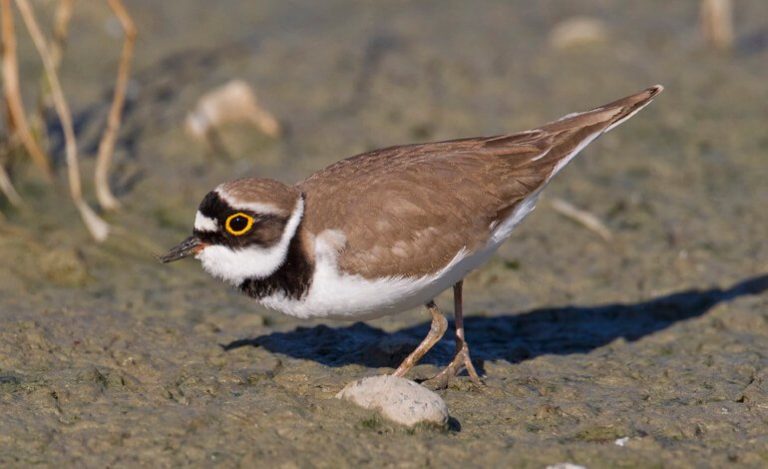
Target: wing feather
x,y
407,210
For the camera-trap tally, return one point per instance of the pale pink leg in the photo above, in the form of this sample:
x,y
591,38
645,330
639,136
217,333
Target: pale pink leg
x,y
462,358
436,331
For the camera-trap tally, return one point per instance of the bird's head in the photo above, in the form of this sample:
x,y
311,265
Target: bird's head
x,y
243,229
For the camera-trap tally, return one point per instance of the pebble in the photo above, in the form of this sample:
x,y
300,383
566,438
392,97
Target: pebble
x,y
578,31
621,441
397,399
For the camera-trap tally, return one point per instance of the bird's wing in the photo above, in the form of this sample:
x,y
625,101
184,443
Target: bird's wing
x,y
408,210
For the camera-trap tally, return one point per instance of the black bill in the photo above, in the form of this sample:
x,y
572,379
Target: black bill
x,y
188,247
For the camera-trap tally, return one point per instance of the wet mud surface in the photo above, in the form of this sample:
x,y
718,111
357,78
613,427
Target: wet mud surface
x,y
108,358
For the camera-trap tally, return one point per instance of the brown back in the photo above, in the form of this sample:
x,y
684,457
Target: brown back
x,y
407,210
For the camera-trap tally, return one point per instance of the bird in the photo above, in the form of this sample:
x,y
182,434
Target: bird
x,y
388,230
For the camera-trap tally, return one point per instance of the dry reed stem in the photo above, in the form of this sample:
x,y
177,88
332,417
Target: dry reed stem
x,y
107,144
582,217
98,228
62,17
6,186
13,94
61,21
717,23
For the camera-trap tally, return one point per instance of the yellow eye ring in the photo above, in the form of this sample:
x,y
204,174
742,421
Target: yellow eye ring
x,y
238,223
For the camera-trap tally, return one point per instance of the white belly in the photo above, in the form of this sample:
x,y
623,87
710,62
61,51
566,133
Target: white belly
x,y
341,296
338,295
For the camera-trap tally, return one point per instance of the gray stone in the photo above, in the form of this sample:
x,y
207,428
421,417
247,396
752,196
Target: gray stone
x,y
397,399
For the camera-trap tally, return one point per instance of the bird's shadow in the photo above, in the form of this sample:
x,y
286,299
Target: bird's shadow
x,y
560,331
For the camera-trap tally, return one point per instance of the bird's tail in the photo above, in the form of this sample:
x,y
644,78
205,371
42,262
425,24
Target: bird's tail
x,y
555,144
607,116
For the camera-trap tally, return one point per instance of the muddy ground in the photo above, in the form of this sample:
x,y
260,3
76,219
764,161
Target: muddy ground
x,y
660,336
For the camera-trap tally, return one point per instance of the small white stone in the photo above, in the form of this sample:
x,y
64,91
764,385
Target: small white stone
x,y
565,465
398,399
621,441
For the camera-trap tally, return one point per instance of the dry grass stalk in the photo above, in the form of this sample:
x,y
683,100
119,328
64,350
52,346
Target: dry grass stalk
x,y
231,103
107,143
62,18
61,21
18,120
6,186
98,228
717,23
582,217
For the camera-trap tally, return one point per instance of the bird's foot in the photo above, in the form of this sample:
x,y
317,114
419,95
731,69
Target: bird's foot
x,y
460,361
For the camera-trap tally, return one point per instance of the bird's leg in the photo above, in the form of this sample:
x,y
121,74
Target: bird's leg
x,y
436,331
462,358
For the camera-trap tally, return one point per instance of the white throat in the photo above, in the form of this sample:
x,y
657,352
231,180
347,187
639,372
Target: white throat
x,y
236,265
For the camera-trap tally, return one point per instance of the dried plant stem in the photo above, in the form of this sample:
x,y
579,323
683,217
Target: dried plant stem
x,y
584,218
98,228
62,18
717,23
107,144
13,94
61,21
7,187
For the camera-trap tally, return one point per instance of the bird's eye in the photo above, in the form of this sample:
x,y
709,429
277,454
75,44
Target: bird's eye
x,y
239,223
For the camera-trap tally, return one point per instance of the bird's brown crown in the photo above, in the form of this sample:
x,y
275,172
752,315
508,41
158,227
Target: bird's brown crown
x,y
245,212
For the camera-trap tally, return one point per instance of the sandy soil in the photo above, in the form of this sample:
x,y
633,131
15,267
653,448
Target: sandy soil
x,y
660,336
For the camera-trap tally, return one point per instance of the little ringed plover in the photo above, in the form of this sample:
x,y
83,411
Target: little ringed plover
x,y
388,230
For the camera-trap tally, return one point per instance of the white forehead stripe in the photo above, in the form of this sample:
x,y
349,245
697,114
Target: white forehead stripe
x,y
237,265
258,207
203,223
